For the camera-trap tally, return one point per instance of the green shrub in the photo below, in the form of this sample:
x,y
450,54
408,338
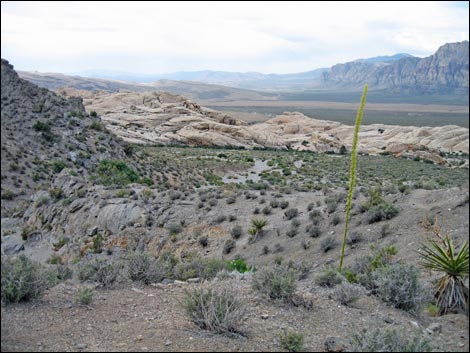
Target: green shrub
x,y
23,279
57,166
387,340
381,212
238,265
278,282
292,341
217,310
84,296
115,173
328,278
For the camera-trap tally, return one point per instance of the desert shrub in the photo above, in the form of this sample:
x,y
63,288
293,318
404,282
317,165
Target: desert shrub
x,y
331,205
267,210
335,220
229,245
57,166
232,218
99,270
115,173
284,204
200,267
231,200
292,341
381,212
84,296
315,216
221,218
144,268
291,213
347,293
8,195
236,232
314,232
23,279
353,238
278,282
363,267
387,340
274,204
302,268
175,228
217,310
328,243
328,278
398,285
203,241
310,206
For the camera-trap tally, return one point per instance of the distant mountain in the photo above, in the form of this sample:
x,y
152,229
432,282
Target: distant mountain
x,y
445,72
246,80
385,58
192,90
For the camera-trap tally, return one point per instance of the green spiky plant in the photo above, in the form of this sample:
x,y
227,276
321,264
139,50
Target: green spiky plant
x,y
440,255
352,172
257,225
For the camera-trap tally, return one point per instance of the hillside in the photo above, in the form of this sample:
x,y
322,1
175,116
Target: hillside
x,y
126,236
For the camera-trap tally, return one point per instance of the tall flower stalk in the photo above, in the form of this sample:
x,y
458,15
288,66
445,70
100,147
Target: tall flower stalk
x,y
352,172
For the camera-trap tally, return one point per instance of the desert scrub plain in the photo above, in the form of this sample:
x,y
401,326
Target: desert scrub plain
x,y
201,249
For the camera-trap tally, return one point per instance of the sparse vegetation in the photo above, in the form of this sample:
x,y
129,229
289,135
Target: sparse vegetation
x,y
217,310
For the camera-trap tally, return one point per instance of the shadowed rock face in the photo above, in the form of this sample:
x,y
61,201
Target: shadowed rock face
x,y
162,118
446,71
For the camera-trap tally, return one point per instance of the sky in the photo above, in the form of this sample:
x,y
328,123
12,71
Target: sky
x,y
268,37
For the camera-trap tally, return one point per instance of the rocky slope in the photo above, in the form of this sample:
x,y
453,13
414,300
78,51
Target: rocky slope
x,y
156,118
43,133
446,71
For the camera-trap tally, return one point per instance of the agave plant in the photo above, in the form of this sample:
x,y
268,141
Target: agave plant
x,y
452,294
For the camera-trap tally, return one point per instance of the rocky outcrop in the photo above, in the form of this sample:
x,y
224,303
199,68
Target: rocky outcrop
x,y
156,118
43,133
447,71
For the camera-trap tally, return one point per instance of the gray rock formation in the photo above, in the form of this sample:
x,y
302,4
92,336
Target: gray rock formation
x,y
447,71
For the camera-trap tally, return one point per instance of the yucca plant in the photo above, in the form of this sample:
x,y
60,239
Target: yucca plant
x,y
452,294
440,255
257,225
352,172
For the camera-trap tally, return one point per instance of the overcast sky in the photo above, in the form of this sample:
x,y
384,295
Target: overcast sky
x,y
277,37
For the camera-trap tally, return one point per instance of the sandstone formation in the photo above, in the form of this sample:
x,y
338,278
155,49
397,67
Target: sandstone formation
x,y
160,118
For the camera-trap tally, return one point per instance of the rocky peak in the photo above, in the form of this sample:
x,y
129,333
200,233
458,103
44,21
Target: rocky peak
x,y
447,71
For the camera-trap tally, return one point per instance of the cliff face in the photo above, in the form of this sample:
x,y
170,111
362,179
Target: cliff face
x,y
447,71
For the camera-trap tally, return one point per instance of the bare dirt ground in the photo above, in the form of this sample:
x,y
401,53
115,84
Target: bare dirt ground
x,y
153,319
